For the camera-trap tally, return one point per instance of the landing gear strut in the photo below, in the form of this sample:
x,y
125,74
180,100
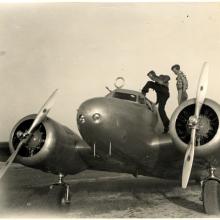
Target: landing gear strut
x,y
211,193
64,197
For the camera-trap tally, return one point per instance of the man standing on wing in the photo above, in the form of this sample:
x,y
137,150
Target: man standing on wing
x,y
181,83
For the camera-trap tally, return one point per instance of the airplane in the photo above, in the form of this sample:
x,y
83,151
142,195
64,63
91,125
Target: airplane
x,y
122,132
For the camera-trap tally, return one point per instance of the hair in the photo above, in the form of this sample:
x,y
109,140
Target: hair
x,y
176,66
151,72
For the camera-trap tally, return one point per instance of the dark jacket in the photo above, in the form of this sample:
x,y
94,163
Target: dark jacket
x,y
161,90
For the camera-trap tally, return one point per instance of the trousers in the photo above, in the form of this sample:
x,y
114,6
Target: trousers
x,y
161,108
182,96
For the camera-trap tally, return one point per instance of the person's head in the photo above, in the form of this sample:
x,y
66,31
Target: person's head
x,y
176,68
151,74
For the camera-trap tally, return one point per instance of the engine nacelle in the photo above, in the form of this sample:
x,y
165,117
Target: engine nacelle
x,y
208,133
51,148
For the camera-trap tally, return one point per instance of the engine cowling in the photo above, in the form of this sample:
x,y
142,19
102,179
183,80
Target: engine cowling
x,y
51,148
208,133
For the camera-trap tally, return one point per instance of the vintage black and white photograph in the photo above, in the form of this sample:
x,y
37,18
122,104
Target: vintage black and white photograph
x,y
110,110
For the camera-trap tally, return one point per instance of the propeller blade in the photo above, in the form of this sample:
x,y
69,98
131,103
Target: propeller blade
x,y
188,160
39,118
11,159
202,88
43,112
200,97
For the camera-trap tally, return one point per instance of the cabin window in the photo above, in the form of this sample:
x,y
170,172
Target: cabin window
x,y
125,96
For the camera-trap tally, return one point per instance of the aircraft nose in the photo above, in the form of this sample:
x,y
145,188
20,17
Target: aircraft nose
x,y
92,112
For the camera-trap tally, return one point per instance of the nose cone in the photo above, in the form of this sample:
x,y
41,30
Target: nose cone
x,y
92,114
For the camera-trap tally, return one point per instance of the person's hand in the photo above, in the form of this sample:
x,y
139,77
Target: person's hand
x,y
151,75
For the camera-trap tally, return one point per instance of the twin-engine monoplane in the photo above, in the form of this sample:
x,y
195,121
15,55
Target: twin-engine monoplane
x,y
122,132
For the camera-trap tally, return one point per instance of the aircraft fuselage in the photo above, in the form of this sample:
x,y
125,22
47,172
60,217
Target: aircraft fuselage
x,y
126,136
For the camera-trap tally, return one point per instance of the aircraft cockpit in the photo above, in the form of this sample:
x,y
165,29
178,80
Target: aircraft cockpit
x,y
131,96
128,95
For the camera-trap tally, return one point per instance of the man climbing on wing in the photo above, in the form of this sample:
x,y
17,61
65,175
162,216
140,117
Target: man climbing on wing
x,y
160,84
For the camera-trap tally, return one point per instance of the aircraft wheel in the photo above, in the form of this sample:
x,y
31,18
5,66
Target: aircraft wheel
x,y
64,202
57,198
211,197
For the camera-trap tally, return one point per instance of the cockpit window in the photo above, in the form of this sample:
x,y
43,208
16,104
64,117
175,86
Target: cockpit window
x,y
126,96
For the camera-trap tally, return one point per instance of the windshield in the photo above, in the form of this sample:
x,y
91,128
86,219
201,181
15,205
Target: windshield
x,y
126,96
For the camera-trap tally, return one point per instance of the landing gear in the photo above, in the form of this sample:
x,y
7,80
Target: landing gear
x,y
62,191
211,193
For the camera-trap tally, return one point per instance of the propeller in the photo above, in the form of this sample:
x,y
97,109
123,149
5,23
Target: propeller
x,y
193,123
27,135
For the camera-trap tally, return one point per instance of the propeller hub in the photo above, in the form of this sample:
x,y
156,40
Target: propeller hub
x,y
193,122
35,140
202,125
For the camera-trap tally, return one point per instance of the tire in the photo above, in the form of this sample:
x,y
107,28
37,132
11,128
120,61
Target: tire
x,y
211,197
56,198
64,205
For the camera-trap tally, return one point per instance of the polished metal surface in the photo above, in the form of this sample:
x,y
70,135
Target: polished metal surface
x,y
121,132
207,149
